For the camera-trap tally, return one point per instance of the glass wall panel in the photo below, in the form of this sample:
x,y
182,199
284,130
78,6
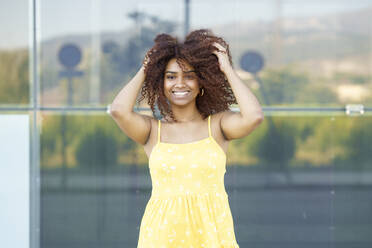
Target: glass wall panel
x,y
89,49
297,181
94,183
14,53
301,179
316,53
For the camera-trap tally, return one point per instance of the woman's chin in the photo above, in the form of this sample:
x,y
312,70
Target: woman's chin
x,y
182,101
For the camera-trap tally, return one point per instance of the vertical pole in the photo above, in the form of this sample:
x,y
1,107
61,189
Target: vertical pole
x,y
95,83
187,17
277,33
35,138
69,90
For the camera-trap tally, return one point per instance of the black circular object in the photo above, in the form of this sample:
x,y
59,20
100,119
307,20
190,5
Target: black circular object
x,y
69,55
252,62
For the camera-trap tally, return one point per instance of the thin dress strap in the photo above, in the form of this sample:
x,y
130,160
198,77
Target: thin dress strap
x,y
159,131
209,126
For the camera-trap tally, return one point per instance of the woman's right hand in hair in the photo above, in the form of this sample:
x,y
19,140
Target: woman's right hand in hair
x,y
146,59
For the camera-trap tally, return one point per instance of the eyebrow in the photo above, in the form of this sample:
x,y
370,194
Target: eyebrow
x,y
176,72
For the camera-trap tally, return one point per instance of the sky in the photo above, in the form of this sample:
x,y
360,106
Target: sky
x,y
55,18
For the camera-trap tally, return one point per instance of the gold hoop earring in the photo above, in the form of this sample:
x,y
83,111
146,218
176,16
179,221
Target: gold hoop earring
x,y
202,92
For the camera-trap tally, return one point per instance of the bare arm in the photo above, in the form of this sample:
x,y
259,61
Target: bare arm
x,y
134,125
238,125
125,100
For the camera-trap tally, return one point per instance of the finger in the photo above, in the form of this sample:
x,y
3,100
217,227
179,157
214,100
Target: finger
x,y
218,45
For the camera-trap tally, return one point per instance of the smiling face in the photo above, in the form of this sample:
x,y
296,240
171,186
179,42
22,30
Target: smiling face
x,y
180,87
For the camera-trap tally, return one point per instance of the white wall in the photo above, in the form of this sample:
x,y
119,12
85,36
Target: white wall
x,y
14,181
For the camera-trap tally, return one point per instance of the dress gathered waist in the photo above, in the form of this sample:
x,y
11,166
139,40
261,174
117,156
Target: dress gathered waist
x,y
218,193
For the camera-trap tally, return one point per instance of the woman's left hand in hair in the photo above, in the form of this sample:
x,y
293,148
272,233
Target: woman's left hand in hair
x,y
223,59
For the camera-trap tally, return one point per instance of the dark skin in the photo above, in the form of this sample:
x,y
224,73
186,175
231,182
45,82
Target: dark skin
x,y
225,125
184,109
170,133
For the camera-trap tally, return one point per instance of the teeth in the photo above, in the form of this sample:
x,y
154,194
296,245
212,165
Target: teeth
x,y
181,93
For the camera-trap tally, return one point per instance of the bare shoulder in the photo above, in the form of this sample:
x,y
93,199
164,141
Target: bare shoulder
x,y
234,126
135,125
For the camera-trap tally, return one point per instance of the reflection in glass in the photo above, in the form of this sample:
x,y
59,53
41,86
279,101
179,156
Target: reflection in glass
x,y
317,53
294,176
14,53
302,181
112,37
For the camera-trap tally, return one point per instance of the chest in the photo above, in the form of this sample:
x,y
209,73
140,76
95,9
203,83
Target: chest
x,y
152,145
204,157
184,138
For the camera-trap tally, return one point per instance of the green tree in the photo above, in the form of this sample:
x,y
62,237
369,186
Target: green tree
x,y
58,132
97,149
14,77
359,145
276,148
282,85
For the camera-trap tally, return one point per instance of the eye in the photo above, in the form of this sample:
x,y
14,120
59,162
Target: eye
x,y
170,77
190,77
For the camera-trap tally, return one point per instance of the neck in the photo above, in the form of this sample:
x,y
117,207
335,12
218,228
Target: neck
x,y
185,113
185,117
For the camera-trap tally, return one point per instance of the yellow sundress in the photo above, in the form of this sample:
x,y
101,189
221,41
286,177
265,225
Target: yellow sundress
x,y
189,206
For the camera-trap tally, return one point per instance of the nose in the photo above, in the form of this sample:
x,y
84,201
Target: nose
x,y
180,80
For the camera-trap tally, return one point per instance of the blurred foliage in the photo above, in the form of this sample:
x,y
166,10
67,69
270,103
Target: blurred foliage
x,y
97,148
358,145
61,131
14,77
306,142
277,146
352,78
87,138
282,85
288,85
292,142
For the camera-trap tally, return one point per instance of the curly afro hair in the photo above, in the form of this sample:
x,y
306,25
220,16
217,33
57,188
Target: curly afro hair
x,y
197,51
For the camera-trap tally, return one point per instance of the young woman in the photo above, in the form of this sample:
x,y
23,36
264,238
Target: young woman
x,y
193,83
